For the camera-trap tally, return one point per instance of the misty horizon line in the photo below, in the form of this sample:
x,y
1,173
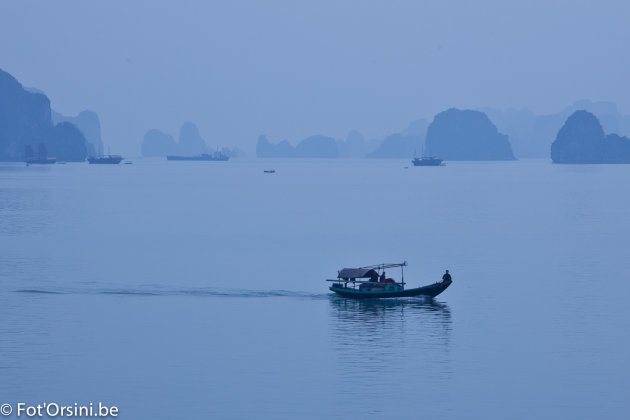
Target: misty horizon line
x,y
294,139
368,137
504,119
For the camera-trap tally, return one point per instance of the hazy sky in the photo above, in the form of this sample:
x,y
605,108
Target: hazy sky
x,y
289,69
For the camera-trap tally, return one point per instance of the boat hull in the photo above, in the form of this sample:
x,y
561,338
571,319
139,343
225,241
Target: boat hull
x,y
105,160
427,162
41,161
205,156
432,291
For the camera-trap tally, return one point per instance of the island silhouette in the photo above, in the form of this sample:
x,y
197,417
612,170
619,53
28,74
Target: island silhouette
x,y
466,135
582,140
26,124
531,134
317,146
156,143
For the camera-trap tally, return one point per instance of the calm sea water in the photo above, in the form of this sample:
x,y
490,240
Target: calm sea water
x,y
196,289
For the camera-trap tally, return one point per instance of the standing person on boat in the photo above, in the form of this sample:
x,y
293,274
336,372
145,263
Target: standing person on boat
x,y
382,279
446,277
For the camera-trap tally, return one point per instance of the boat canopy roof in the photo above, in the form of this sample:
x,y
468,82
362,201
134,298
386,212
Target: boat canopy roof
x,y
370,271
357,273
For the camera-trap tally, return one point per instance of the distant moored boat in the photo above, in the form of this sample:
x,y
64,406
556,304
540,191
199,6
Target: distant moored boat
x,y
109,159
41,159
427,161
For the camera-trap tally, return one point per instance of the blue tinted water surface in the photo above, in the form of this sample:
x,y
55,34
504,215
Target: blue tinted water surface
x,y
196,289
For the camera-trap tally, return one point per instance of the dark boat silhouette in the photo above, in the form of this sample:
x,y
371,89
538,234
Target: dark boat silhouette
x,y
41,158
378,286
109,159
41,161
427,161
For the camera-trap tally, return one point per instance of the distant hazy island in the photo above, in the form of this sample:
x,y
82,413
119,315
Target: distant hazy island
x,y
159,144
399,145
582,140
531,134
318,146
30,128
88,123
310,147
403,145
453,135
487,134
27,125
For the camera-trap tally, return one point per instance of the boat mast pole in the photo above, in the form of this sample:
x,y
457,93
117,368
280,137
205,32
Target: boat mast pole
x,y
402,275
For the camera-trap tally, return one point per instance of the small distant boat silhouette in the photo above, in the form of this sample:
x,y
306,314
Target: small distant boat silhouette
x,y
128,162
269,171
427,161
41,161
109,159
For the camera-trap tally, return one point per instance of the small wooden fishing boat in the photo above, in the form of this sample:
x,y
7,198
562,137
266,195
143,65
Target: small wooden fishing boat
x,y
373,283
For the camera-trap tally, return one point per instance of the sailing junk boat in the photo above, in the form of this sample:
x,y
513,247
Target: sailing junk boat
x,y
373,284
426,160
105,160
42,157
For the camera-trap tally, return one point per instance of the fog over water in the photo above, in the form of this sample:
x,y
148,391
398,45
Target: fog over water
x,y
196,289
290,70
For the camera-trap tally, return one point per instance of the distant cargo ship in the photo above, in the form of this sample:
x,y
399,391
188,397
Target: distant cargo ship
x,y
216,156
109,159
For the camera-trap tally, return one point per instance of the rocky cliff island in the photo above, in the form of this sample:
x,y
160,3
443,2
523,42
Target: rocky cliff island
x,y
466,135
26,125
582,140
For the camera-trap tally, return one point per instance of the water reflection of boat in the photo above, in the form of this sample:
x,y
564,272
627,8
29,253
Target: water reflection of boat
x,y
378,285
365,329
366,309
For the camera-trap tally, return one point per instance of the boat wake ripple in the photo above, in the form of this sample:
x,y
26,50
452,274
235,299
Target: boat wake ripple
x,y
202,292
38,291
